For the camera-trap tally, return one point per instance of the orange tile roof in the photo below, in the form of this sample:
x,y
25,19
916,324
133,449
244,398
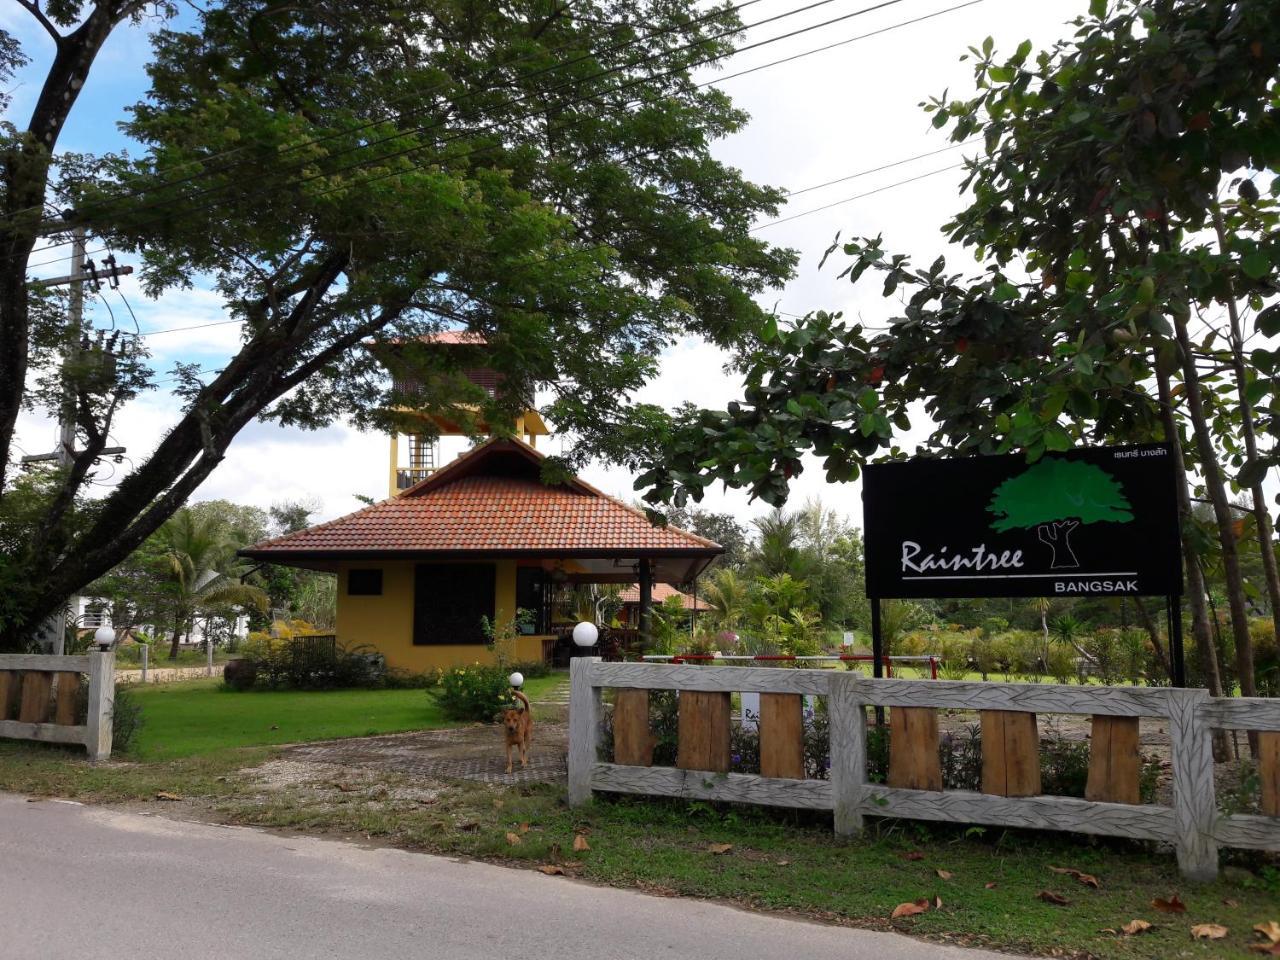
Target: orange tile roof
x,y
466,508
661,591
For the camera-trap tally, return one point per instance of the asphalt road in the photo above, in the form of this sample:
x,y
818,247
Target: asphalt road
x,y
87,883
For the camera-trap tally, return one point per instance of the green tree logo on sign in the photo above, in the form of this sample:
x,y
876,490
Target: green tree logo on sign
x,y
1055,497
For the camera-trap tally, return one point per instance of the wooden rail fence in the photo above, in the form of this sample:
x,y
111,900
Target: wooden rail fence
x,y
1010,796
40,699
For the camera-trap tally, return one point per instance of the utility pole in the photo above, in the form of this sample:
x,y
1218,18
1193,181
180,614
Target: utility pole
x,y
65,452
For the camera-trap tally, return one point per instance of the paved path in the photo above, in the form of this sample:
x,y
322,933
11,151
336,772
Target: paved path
x,y
203,892
473,752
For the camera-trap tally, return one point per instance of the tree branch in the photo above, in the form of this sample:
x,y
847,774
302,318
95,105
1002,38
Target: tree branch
x,y
33,8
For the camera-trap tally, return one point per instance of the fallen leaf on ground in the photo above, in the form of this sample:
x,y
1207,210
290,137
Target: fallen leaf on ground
x,y
1134,927
345,787
937,902
166,795
1270,930
551,870
523,828
1057,899
1173,905
1228,902
945,874
514,839
913,855
468,825
718,848
909,909
991,885
1088,879
1209,931
580,844
784,863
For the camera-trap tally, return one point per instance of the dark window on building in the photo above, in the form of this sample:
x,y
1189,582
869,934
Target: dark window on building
x,y
364,583
450,600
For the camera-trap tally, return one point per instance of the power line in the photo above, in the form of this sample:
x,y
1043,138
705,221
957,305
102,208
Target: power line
x,y
539,103
858,196
841,43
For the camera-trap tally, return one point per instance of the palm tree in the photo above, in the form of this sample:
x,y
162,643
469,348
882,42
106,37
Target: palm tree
x,y
726,596
198,560
779,547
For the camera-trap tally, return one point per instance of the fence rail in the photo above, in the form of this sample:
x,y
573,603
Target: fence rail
x,y
40,699
1010,795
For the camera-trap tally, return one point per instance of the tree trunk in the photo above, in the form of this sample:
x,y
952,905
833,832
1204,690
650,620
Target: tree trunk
x,y
1261,514
1217,494
1202,633
177,638
1154,633
25,167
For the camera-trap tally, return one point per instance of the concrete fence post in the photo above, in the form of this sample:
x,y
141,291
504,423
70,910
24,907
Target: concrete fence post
x,y
584,728
102,697
848,748
1195,807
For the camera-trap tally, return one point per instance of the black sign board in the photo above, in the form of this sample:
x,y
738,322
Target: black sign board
x,y
1099,521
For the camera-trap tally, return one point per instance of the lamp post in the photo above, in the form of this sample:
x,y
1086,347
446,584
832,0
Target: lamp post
x,y
585,634
104,637
516,680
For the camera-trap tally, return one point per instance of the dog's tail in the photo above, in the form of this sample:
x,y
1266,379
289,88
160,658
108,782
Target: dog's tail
x,y
523,699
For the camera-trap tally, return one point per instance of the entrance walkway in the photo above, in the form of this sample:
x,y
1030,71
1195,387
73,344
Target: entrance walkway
x,y
467,753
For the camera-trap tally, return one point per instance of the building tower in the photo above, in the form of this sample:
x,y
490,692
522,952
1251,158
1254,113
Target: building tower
x,y
419,456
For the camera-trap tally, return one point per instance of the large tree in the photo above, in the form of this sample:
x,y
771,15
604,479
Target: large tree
x,y
537,172
1124,246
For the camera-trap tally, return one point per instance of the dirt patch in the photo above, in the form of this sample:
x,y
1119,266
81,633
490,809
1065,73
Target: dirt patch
x,y
466,753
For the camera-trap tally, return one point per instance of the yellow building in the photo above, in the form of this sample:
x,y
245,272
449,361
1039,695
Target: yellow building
x,y
480,537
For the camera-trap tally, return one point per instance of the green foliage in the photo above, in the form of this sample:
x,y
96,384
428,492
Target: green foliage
x,y
294,657
476,693
126,721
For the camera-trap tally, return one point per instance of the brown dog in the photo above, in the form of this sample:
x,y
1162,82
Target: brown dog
x,y
517,723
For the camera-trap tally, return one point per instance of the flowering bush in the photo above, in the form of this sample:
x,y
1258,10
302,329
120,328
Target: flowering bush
x,y
472,693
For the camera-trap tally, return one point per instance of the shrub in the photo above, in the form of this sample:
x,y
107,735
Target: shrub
x,y
240,674
298,659
1062,663
475,693
1266,657
126,720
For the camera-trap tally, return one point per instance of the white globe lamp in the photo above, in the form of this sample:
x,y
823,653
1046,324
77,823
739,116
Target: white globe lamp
x,y
516,679
104,637
585,634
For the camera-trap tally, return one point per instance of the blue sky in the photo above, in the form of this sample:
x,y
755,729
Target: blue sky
x,y
818,118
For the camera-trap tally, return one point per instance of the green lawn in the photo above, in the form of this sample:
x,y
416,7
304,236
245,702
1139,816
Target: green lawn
x,y
202,716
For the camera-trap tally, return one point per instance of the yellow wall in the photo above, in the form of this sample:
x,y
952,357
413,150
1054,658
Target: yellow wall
x,y
385,623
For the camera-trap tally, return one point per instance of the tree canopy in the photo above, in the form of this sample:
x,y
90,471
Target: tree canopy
x,y
537,173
